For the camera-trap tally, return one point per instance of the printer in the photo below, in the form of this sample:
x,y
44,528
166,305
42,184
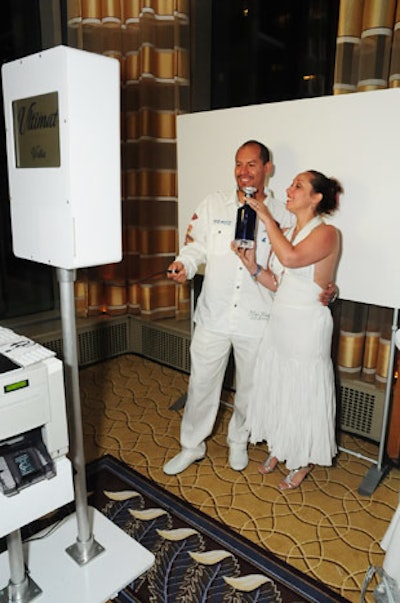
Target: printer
x,y
33,419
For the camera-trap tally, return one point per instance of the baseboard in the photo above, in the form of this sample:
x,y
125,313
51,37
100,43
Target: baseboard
x,y
104,336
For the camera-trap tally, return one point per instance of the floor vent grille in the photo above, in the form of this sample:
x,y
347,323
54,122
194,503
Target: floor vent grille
x,y
361,409
162,345
104,342
97,341
53,344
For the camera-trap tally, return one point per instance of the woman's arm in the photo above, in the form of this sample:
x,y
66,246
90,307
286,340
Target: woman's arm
x,y
320,243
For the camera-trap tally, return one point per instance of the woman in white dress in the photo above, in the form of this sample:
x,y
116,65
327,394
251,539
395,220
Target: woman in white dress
x,y
293,406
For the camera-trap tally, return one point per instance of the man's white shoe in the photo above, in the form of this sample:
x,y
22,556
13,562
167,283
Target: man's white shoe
x,y
182,461
238,458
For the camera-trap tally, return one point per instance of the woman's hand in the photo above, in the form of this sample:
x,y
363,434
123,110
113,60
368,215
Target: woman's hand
x,y
329,295
261,210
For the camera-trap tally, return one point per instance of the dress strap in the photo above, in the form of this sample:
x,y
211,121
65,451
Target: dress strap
x,y
307,228
274,264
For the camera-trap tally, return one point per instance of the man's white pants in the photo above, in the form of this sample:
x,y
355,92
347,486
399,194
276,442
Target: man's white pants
x,y
209,353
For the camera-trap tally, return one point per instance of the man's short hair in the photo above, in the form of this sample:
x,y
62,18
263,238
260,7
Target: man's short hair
x,y
264,151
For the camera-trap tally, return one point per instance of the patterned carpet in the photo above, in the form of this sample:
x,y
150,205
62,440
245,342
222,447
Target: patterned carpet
x,y
326,529
196,558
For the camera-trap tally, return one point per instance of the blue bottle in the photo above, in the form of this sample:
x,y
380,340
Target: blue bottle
x,y
246,221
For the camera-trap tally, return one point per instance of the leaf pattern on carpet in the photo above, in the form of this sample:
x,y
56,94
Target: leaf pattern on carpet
x,y
205,579
255,587
197,560
183,572
119,506
146,528
144,525
172,562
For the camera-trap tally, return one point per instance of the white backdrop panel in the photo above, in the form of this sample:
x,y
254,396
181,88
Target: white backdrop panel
x,y
352,137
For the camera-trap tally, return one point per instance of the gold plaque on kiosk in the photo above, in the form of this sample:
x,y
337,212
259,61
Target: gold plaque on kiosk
x,y
36,131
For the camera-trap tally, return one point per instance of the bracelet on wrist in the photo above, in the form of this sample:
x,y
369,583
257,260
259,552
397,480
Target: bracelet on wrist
x,y
256,272
334,297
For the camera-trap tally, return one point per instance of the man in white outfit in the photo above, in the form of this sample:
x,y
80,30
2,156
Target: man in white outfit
x,y
231,311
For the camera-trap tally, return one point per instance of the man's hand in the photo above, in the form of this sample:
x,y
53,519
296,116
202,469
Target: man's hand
x,y
177,272
329,295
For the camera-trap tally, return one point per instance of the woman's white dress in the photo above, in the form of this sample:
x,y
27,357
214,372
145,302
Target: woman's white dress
x,y
293,407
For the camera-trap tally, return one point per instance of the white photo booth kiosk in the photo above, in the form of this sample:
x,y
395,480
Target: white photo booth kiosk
x,y
62,116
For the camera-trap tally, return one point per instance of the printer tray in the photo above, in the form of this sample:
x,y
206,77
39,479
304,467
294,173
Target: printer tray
x,y
24,460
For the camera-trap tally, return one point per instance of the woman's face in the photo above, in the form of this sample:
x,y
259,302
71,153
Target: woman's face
x,y
301,195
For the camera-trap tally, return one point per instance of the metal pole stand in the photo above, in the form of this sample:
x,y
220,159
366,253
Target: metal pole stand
x,y
375,474
85,548
21,588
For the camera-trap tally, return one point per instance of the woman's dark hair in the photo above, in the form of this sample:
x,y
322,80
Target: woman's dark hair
x,y
265,155
330,190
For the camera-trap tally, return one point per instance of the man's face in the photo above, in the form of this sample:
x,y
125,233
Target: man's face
x,y
249,168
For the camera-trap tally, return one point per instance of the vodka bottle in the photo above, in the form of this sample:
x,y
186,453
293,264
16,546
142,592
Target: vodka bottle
x,y
246,221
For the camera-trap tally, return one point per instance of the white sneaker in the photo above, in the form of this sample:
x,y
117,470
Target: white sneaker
x,y
238,457
182,461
